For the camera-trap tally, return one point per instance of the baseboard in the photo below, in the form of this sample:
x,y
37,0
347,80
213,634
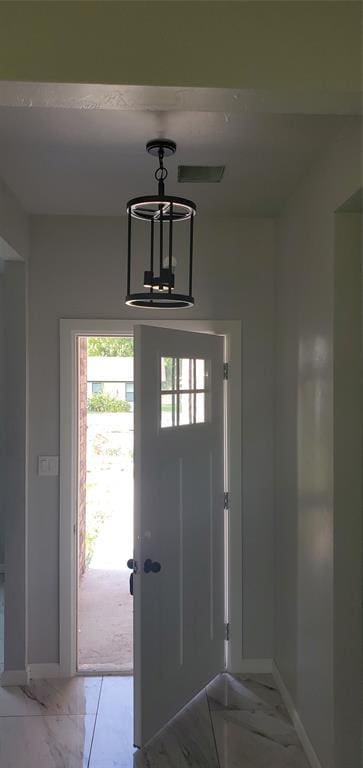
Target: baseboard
x,y
255,666
300,730
14,677
42,671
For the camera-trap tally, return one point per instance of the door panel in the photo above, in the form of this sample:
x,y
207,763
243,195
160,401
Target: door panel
x,y
179,485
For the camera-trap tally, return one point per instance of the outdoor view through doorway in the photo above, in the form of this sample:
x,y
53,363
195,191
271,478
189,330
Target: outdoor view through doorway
x,y
105,503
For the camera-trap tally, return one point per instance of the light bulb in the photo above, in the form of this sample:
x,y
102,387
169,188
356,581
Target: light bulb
x,y
166,262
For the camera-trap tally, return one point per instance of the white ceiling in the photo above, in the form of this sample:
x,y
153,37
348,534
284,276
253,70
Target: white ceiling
x,y
90,161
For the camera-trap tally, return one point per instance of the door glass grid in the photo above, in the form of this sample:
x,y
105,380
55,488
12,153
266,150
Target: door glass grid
x,y
184,391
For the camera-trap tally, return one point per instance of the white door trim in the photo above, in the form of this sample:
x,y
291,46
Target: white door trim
x,y
69,331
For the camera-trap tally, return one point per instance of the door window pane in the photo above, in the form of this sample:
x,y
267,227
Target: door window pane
x,y
200,407
186,373
200,374
184,391
186,403
168,373
168,410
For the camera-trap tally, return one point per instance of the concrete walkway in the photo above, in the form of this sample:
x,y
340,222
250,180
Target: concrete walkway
x,y
105,621
105,607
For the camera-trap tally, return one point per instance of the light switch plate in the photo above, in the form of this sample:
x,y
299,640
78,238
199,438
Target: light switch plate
x,y
48,466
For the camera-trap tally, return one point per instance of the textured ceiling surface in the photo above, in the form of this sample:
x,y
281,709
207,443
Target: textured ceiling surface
x,y
90,161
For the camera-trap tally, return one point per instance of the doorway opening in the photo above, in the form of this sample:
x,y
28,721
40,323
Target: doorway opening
x,y
71,331
105,504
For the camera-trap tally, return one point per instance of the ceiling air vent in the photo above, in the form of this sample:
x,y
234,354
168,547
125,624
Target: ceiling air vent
x,y
200,174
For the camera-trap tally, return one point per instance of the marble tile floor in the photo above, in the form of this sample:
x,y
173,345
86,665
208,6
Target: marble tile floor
x,y
238,721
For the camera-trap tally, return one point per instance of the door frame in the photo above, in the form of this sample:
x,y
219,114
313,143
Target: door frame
x,y
69,332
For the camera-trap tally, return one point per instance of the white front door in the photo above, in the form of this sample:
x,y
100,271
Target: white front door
x,y
179,530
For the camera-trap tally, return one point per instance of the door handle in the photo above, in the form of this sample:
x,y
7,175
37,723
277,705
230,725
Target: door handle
x,y
131,587
132,564
151,566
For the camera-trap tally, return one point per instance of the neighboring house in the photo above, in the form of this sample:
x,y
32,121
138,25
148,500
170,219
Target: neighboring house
x,y
111,375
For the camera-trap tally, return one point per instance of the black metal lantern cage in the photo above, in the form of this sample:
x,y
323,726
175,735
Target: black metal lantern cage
x,y
160,212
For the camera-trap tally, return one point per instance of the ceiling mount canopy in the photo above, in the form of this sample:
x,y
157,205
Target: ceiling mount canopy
x,y
157,283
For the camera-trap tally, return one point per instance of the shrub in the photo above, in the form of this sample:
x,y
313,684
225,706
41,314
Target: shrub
x,y
101,402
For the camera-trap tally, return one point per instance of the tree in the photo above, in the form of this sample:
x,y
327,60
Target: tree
x,y
110,346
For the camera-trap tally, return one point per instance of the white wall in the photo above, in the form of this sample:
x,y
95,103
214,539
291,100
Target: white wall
x,y
304,523
348,501
2,417
14,226
14,251
15,423
14,245
78,270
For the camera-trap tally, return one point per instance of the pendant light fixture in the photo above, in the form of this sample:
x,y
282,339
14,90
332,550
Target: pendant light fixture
x,y
156,284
